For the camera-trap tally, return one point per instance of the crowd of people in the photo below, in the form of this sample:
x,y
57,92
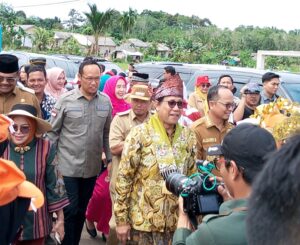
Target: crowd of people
x,y
101,154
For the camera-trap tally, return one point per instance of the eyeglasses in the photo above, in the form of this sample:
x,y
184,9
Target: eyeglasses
x,y
8,79
227,105
24,129
91,79
173,103
205,85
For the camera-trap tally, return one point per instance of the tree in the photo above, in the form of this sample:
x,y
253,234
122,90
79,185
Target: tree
x,y
99,22
128,20
75,20
42,39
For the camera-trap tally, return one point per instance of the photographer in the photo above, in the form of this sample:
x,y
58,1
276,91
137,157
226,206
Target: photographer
x,y
241,158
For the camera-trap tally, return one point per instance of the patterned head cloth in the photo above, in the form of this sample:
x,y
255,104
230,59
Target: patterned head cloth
x,y
171,87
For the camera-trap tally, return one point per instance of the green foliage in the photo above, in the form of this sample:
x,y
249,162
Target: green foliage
x,y
70,46
43,39
127,21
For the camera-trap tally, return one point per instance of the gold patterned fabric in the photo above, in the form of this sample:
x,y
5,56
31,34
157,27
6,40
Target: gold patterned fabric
x,y
142,199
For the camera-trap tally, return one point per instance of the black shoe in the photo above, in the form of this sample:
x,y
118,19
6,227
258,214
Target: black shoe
x,y
92,232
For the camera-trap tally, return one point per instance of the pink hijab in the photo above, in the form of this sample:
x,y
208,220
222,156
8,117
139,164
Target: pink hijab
x,y
52,87
119,105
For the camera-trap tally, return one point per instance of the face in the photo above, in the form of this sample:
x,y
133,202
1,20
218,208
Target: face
x,y
60,81
204,87
226,82
23,75
89,80
140,107
166,75
271,86
222,107
8,82
37,81
120,89
168,115
22,128
252,99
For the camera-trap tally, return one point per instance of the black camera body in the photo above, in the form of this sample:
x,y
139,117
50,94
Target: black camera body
x,y
200,195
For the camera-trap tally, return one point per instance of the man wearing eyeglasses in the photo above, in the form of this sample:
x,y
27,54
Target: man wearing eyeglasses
x,y
80,126
240,160
211,129
145,211
10,94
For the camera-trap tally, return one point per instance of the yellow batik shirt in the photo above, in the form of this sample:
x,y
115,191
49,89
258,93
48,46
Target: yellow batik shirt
x,y
142,199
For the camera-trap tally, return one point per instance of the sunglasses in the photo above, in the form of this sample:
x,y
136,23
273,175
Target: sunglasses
x,y
8,79
24,129
173,103
205,85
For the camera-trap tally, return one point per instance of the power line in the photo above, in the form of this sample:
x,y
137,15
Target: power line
x,y
46,4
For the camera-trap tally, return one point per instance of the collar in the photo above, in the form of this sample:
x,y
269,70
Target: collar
x,y
235,204
133,117
265,98
209,123
78,94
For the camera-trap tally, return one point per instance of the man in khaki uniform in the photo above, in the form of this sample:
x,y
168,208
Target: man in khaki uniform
x,y
119,129
211,129
10,94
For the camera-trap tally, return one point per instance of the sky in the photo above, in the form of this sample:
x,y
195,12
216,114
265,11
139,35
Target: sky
x,y
224,14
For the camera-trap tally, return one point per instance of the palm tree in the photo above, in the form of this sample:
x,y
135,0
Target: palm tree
x,y
99,22
42,39
128,20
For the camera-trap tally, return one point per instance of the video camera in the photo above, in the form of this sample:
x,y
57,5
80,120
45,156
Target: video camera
x,y
199,193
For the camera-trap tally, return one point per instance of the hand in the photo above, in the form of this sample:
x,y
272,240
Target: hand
x,y
222,188
104,158
243,90
123,233
59,227
183,219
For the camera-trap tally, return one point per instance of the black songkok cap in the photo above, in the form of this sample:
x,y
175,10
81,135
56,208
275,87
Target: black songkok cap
x,y
8,63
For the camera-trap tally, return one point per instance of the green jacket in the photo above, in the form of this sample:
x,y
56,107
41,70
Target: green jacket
x,y
228,227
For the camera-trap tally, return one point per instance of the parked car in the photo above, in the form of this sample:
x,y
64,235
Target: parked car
x,y
70,67
78,59
289,87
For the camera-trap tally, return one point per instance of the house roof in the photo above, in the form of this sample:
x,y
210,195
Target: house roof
x,y
103,41
24,27
62,35
161,47
138,43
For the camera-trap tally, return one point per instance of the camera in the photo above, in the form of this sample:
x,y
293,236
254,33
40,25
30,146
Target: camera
x,y
200,194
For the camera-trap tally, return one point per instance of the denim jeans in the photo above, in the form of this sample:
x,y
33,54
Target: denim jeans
x,y
79,192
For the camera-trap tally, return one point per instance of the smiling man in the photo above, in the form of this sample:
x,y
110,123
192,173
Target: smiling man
x,y
10,94
81,122
145,211
37,80
211,129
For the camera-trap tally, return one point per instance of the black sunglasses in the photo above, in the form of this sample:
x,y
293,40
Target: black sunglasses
x,y
173,103
24,129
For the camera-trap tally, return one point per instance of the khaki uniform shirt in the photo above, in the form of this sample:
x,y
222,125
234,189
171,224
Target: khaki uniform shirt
x,y
208,134
119,129
80,128
18,96
196,102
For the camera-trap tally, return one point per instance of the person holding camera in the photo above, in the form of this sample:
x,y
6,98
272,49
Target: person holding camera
x,y
240,160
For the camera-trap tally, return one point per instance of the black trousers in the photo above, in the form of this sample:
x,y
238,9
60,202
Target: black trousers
x,y
79,192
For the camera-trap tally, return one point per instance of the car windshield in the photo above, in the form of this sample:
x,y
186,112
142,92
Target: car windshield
x,y
293,89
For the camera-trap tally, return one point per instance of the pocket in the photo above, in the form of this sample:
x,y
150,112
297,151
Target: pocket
x,y
102,113
74,112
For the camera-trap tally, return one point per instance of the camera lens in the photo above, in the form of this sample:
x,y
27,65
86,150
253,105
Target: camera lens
x,y
175,183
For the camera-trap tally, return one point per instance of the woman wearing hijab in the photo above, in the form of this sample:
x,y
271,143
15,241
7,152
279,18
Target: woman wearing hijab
x,y
56,82
35,156
115,88
198,99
